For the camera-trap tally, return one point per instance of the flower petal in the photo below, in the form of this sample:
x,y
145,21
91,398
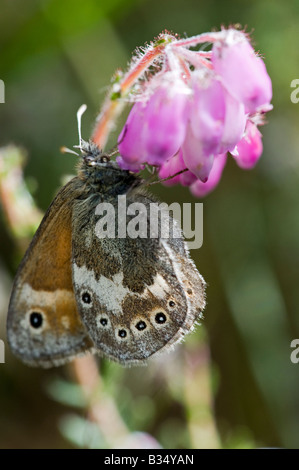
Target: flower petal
x,y
208,112
196,161
131,143
234,125
250,148
124,165
200,189
243,73
165,122
174,165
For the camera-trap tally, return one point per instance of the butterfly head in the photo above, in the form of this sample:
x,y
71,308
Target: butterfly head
x,y
92,155
101,173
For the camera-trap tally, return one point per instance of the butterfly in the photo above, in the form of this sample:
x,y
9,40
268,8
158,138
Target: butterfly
x,y
124,298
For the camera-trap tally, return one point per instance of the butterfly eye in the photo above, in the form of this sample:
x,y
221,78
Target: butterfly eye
x,y
160,318
141,325
36,320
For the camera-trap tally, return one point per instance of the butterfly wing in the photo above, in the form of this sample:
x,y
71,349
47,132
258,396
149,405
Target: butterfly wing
x,y
136,296
43,325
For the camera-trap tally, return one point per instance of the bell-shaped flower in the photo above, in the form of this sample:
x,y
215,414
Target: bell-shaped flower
x,y
207,113
242,72
194,157
200,189
250,147
173,166
234,123
187,178
135,167
217,118
131,143
165,121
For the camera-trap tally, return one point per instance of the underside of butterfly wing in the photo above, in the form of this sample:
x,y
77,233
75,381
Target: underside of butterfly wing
x,y
43,325
136,296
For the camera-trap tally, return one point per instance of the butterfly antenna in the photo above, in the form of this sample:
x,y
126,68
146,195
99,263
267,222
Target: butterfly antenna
x,y
80,113
67,150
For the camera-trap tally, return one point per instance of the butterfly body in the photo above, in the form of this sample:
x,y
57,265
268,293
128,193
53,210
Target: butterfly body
x,y
78,291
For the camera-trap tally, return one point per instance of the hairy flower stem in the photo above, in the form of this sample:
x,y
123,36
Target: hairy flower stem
x,y
114,102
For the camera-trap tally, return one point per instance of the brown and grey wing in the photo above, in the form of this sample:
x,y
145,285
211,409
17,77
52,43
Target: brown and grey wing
x,y
43,325
136,296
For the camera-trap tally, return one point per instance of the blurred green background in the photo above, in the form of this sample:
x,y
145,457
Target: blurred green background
x,y
232,383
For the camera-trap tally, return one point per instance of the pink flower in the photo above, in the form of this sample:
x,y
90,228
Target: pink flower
x,y
131,143
242,72
165,122
187,178
234,124
217,118
195,159
174,165
155,131
124,165
200,189
208,112
195,108
250,148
